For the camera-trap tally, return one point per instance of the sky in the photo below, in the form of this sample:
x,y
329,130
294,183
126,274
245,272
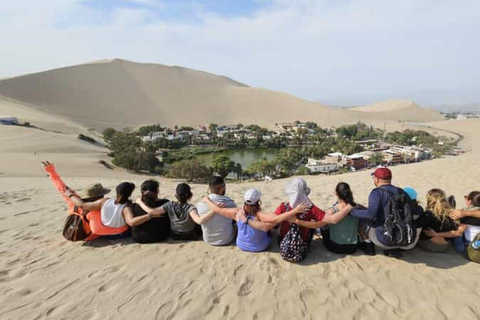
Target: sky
x,y
337,52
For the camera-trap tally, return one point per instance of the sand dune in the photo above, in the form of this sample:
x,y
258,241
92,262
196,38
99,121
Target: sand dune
x,y
42,276
121,93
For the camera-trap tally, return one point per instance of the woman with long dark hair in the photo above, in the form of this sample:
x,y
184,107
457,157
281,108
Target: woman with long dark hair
x,y
341,234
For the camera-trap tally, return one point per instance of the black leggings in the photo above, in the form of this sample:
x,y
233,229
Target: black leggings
x,y
335,247
195,234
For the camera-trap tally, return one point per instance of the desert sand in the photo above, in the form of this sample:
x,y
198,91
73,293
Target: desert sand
x,y
42,276
178,96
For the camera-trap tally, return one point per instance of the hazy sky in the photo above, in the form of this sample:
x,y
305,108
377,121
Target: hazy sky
x,y
332,51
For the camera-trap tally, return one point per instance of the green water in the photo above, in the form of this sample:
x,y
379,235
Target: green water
x,y
243,156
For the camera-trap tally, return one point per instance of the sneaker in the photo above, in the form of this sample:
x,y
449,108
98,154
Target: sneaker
x,y
394,253
367,247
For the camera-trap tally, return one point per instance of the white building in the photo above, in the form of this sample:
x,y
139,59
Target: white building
x,y
318,166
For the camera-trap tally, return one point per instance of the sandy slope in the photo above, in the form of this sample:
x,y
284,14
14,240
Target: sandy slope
x,y
44,276
121,94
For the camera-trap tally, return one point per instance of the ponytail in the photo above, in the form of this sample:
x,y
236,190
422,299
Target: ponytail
x,y
345,193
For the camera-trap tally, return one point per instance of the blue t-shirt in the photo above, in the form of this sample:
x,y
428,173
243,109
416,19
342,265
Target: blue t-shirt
x,y
377,206
250,239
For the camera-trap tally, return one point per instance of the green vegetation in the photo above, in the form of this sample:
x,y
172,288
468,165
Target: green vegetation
x,y
223,165
128,152
358,131
172,156
191,170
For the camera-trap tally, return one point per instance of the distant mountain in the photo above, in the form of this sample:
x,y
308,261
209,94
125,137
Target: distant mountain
x,y
120,93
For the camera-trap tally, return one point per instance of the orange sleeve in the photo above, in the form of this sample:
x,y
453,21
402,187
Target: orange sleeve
x,y
58,184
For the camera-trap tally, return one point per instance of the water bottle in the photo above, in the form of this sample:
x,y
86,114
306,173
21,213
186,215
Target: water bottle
x,y
476,244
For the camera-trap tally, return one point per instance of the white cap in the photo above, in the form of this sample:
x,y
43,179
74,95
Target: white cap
x,y
252,196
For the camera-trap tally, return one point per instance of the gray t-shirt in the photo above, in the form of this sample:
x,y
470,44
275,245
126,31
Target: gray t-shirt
x,y
218,230
179,214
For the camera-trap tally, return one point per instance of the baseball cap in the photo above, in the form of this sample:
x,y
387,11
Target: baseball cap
x,y
252,196
382,173
411,193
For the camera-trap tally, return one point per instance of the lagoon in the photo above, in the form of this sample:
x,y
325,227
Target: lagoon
x,y
243,156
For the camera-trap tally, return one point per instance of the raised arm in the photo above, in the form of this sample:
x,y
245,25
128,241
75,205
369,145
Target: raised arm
x,y
458,214
201,219
154,212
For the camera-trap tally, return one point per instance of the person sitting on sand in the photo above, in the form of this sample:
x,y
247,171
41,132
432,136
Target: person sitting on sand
x,y
252,231
472,224
184,219
297,192
372,220
438,227
90,206
341,236
115,213
154,230
219,230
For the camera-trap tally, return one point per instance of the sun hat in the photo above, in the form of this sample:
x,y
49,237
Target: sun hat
x,y
382,173
252,196
96,190
411,193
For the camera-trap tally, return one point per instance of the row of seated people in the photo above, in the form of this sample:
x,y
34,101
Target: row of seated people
x,y
344,227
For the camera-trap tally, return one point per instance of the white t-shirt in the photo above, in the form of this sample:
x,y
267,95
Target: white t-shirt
x,y
112,214
218,230
471,231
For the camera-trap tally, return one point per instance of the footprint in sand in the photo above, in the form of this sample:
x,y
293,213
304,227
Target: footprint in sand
x,y
245,288
164,309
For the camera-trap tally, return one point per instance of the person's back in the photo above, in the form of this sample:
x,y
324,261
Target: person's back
x,y
111,214
155,230
218,230
180,221
251,239
345,232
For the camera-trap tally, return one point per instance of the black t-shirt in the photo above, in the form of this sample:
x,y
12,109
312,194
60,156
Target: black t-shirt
x,y
430,221
155,230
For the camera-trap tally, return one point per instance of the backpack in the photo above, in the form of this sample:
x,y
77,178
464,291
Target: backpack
x,y
292,247
76,226
473,249
398,226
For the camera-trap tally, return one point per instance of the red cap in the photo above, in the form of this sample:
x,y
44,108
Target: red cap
x,y
382,174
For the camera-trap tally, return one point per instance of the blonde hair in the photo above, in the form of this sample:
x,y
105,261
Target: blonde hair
x,y
437,203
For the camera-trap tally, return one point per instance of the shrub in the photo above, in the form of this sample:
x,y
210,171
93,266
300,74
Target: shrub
x,y
191,170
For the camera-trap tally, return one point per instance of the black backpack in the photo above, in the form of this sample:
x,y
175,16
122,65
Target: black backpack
x,y
292,247
398,227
